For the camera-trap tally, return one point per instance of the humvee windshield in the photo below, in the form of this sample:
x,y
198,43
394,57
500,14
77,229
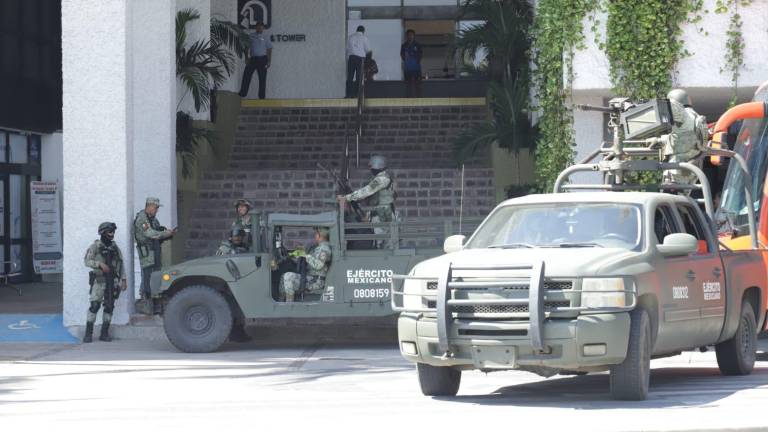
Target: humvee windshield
x,y
561,225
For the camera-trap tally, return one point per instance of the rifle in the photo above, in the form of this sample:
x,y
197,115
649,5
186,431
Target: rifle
x,y
111,293
342,188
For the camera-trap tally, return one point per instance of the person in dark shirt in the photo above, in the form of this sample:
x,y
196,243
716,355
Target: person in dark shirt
x,y
411,52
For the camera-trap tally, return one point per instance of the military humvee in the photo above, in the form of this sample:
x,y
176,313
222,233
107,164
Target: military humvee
x,y
205,300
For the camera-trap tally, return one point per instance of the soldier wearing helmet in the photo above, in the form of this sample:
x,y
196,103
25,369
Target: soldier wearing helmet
x,y
248,222
688,137
235,244
318,259
105,260
379,192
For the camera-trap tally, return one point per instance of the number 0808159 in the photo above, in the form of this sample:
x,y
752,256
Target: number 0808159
x,y
365,293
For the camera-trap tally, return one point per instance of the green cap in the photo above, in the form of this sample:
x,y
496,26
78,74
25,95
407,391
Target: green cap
x,y
153,201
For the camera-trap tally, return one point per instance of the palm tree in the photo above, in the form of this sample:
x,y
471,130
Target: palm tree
x,y
202,66
504,40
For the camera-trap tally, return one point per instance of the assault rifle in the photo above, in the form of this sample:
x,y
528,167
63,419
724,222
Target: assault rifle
x,y
111,293
342,188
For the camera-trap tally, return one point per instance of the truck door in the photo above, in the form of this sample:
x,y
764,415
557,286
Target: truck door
x,y
707,293
678,327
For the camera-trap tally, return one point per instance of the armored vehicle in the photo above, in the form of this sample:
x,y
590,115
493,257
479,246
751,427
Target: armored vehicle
x,y
584,281
206,300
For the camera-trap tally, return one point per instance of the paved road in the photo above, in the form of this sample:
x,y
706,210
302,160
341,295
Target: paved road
x,y
149,386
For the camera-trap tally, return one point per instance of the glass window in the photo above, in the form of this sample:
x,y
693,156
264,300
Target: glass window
x,y
18,207
18,148
561,225
2,210
17,257
34,149
693,226
3,145
752,144
662,224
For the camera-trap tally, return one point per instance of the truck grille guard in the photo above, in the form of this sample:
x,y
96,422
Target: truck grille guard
x,y
445,305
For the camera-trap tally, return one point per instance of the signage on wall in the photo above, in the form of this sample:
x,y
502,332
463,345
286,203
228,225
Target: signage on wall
x,y
288,38
251,12
46,227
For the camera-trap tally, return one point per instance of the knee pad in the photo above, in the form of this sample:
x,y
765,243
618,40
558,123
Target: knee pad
x,y
94,307
109,308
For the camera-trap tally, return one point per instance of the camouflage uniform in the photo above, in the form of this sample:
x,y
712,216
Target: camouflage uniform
x,y
251,224
318,260
227,248
93,257
380,192
688,136
148,234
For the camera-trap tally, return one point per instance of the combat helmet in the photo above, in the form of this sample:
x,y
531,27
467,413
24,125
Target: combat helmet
x,y
681,96
106,226
243,201
237,232
378,162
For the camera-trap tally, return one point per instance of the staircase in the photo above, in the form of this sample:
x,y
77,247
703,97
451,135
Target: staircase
x,y
274,157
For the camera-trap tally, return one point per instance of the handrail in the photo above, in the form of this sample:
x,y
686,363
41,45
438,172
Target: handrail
x,y
359,113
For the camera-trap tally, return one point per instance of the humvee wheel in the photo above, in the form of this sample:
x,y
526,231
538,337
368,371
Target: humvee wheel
x,y
630,379
736,356
438,381
197,319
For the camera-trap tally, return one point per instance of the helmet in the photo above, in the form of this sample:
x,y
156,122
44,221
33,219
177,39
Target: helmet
x,y
106,226
244,202
681,96
378,162
237,232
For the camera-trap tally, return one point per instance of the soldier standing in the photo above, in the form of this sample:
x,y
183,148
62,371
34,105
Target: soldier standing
x,y
380,193
234,245
107,275
688,136
149,234
318,261
250,223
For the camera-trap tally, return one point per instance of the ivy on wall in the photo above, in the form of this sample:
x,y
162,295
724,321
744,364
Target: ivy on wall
x,y
734,43
557,35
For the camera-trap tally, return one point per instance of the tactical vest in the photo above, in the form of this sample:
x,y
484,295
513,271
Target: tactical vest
x,y
387,195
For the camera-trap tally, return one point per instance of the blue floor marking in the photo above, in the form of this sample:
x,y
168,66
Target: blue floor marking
x,y
34,328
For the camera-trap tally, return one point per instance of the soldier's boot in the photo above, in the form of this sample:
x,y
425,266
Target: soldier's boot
x,y
88,338
105,333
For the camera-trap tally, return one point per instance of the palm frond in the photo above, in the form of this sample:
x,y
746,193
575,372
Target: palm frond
x,y
189,139
229,35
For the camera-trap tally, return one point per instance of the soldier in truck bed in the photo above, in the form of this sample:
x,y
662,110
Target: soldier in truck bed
x,y
379,192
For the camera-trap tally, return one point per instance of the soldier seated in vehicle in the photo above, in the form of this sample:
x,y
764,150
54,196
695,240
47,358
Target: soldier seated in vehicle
x,y
310,277
235,244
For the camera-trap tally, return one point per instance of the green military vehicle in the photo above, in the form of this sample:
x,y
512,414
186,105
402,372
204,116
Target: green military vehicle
x,y
585,281
205,300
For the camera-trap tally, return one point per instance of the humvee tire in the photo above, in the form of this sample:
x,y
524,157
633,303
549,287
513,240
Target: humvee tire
x,y
438,381
197,319
736,356
631,378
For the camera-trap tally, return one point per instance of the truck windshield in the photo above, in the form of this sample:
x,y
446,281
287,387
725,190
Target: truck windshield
x,y
561,225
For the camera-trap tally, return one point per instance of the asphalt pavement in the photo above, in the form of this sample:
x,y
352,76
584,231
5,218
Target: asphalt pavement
x,y
148,385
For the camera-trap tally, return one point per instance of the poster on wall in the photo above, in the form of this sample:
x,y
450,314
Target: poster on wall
x,y
250,12
46,227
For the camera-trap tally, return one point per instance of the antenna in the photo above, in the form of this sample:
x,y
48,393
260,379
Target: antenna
x,y
461,199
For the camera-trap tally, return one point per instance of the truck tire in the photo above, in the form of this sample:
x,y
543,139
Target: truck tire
x,y
736,356
197,319
631,378
438,381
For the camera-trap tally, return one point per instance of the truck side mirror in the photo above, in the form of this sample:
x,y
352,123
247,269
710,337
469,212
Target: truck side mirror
x,y
678,244
453,243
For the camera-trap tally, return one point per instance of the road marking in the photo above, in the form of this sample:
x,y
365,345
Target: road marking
x,y
23,325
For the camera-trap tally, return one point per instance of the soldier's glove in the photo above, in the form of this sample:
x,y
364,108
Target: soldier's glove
x,y
297,253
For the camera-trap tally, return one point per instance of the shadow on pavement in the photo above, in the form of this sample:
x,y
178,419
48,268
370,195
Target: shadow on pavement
x,y
670,387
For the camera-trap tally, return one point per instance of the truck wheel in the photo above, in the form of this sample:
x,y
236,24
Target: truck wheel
x,y
631,378
438,381
736,356
197,319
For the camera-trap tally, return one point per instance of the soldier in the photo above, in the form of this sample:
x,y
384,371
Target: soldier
x,y
688,136
250,223
149,234
234,245
318,261
380,192
105,260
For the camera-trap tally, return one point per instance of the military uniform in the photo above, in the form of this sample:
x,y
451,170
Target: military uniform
x,y
688,136
148,234
108,253
318,261
227,248
251,224
381,194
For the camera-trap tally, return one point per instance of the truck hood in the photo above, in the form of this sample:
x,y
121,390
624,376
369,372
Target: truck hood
x,y
558,262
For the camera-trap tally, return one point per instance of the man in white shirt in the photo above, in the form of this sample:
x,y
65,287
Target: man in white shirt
x,y
358,47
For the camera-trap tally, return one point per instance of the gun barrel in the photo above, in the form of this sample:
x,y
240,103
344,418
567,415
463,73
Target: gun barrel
x,y
585,107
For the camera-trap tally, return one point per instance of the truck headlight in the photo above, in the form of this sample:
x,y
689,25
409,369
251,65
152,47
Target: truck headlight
x,y
603,292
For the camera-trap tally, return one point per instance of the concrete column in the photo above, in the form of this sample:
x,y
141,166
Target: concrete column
x,y
119,129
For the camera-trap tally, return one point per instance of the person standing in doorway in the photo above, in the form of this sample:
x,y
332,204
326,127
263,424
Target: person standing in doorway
x,y
260,59
358,47
411,52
